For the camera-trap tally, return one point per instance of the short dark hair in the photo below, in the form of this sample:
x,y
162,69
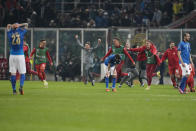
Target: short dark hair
x,y
185,34
42,40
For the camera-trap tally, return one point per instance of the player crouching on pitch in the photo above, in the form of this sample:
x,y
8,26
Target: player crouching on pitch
x,y
110,68
41,53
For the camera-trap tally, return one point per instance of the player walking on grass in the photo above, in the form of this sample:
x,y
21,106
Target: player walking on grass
x,y
16,34
88,60
148,52
41,52
173,63
185,60
117,48
110,69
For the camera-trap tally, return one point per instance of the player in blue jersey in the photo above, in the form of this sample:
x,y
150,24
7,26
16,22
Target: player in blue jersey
x,y
184,60
110,68
15,35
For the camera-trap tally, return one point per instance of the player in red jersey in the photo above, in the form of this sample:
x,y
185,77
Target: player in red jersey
x,y
27,60
173,62
117,48
41,52
190,80
148,52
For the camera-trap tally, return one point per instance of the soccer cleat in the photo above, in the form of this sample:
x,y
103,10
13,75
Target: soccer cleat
x,y
159,74
192,89
21,91
114,90
107,90
14,92
93,82
45,84
180,90
119,86
142,85
147,88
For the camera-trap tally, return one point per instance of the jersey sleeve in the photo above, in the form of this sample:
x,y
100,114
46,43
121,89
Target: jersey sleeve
x,y
33,51
165,55
49,58
180,46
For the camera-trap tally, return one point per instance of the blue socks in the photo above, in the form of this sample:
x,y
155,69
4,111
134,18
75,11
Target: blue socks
x,y
106,81
13,81
22,79
113,82
183,83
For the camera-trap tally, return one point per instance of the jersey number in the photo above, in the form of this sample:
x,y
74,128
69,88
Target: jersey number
x,y
15,39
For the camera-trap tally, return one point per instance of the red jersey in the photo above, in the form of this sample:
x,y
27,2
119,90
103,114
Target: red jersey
x,y
26,52
142,55
172,55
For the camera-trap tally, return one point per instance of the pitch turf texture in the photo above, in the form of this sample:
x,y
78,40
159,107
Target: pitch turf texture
x,y
73,106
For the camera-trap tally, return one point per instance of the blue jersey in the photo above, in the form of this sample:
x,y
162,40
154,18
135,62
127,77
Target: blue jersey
x,y
15,38
185,49
110,59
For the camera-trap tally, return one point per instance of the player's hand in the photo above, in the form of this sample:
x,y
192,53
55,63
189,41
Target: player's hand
x,y
76,36
183,65
101,60
51,64
99,41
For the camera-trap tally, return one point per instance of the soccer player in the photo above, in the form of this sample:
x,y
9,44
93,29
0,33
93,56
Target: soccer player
x,y
88,60
27,60
148,52
117,48
190,80
185,60
173,62
110,68
16,34
41,52
130,68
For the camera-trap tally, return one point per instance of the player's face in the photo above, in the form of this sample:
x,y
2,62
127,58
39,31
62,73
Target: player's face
x,y
14,26
87,46
172,45
148,44
116,42
187,37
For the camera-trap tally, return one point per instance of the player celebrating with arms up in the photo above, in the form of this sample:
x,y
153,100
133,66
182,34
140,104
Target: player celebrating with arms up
x,y
41,53
110,67
17,59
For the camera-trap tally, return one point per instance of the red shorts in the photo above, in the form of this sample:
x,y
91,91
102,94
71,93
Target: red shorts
x,y
175,71
40,67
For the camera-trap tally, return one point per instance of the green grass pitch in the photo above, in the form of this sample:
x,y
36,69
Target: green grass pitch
x,y
73,106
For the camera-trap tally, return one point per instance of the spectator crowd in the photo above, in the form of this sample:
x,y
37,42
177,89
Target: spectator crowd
x,y
44,13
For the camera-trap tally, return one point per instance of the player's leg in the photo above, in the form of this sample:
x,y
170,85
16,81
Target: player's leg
x,y
42,70
142,75
39,71
149,75
134,74
124,78
22,71
114,76
29,71
90,74
107,75
172,76
12,70
185,74
191,83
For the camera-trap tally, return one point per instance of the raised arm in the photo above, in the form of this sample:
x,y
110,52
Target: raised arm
x,y
78,42
98,43
25,25
9,26
140,49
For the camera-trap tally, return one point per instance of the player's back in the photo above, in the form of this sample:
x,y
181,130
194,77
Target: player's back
x,y
15,37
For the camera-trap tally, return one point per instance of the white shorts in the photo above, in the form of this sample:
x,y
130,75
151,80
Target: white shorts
x,y
186,71
17,63
111,71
